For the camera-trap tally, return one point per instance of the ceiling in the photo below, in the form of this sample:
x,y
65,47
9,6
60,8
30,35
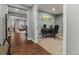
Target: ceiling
x,y
14,10
48,8
17,9
42,7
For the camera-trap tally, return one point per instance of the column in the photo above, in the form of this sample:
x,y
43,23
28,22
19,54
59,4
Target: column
x,y
33,23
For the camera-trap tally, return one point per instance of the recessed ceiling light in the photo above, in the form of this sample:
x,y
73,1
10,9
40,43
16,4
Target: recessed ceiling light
x,y
16,9
53,9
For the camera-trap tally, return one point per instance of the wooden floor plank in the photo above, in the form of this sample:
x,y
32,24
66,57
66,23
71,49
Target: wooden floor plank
x,y
21,46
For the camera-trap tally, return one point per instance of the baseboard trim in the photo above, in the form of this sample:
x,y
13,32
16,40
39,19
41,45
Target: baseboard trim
x,y
29,38
39,36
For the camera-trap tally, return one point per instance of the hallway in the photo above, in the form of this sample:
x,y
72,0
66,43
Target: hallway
x,y
21,46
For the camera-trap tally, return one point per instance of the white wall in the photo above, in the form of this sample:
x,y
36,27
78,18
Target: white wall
x,y
41,22
29,25
59,21
3,11
33,23
72,29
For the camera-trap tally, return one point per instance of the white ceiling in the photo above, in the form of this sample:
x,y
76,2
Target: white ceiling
x,y
20,9
42,7
48,8
11,9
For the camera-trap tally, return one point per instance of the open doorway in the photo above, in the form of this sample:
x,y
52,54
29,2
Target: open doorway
x,y
16,26
17,21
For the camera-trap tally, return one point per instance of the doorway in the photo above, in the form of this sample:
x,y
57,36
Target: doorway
x,y
16,24
17,28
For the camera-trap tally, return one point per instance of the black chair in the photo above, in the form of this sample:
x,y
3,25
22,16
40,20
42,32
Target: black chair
x,y
44,32
56,31
50,32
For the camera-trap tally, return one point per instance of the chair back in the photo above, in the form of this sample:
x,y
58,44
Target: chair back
x,y
56,29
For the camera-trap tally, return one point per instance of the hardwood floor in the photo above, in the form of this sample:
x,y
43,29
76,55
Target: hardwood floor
x,y
21,46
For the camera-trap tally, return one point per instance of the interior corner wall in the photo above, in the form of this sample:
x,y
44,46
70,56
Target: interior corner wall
x,y
3,11
59,21
72,47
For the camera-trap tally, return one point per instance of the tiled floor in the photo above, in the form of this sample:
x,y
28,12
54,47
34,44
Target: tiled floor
x,y
21,46
55,47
